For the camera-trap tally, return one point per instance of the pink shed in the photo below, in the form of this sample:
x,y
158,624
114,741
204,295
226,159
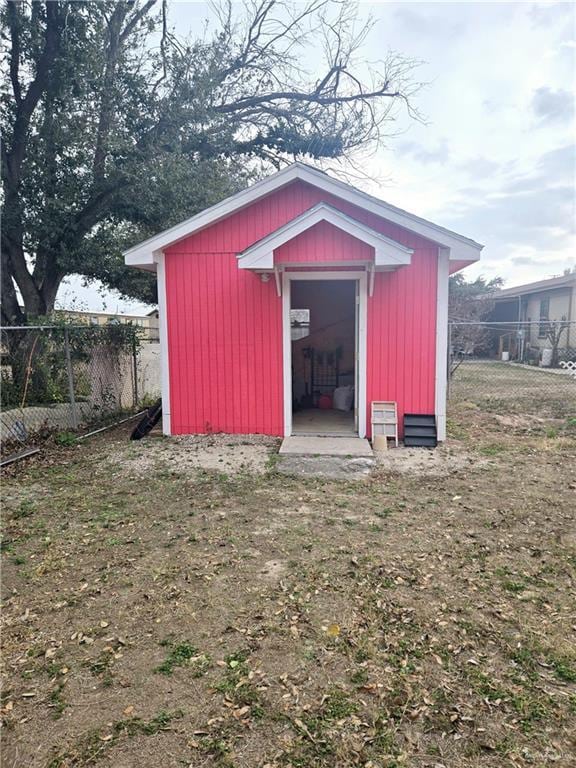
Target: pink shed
x,y
235,360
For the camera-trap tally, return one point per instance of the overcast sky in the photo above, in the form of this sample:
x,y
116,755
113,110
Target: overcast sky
x,y
495,160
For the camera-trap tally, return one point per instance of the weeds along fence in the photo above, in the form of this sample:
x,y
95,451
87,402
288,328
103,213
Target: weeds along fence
x,y
514,368
66,378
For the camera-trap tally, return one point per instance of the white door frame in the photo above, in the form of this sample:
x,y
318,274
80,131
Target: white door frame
x,y
287,278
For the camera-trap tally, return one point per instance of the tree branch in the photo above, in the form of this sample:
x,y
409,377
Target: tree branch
x,y
117,37
136,18
14,24
311,97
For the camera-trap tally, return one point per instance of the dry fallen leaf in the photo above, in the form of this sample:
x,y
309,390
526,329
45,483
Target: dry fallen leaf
x,y
302,727
333,630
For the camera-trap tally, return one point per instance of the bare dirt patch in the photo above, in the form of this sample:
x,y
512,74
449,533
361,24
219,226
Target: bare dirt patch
x,y
169,613
420,462
188,453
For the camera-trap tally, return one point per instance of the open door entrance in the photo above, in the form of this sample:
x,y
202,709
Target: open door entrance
x,y
324,341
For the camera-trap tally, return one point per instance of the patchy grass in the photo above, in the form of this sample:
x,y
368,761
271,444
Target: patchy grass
x,y
92,746
506,388
183,654
157,612
564,667
66,439
56,700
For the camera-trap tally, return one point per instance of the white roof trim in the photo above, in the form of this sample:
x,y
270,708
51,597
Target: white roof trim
x,y
460,247
261,254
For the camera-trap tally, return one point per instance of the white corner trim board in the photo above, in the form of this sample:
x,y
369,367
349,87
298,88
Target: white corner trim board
x,y
164,359
440,384
361,277
461,248
387,252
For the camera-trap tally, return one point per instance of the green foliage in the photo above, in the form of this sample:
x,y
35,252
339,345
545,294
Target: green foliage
x,y
110,137
91,745
337,705
235,684
471,301
564,668
178,656
25,509
136,725
472,289
56,700
65,439
35,369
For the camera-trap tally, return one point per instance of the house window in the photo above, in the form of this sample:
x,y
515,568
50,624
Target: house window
x,y
544,318
299,324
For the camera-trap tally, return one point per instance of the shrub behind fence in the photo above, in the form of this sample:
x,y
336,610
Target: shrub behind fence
x,y
56,378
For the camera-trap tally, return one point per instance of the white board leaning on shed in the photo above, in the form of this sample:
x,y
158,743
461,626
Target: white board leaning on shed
x,y
385,420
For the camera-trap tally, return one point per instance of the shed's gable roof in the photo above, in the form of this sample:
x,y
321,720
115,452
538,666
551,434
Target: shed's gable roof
x,y
460,248
386,252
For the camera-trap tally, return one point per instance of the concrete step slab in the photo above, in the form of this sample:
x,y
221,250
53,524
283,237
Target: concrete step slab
x,y
311,445
333,467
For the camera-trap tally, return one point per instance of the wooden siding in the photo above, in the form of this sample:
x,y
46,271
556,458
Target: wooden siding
x,y
401,343
323,243
225,347
225,325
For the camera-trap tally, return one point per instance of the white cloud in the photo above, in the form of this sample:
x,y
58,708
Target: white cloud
x,y
549,104
478,165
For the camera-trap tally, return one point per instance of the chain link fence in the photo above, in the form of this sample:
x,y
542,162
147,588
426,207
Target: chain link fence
x,y
67,378
514,368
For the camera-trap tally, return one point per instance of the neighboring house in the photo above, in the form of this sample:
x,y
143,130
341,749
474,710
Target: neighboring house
x,y
149,321
536,305
369,281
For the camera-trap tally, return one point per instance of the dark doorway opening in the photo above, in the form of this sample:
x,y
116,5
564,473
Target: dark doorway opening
x,y
323,327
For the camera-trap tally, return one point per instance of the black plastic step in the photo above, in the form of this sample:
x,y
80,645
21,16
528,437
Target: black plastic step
x,y
424,431
419,421
420,442
420,430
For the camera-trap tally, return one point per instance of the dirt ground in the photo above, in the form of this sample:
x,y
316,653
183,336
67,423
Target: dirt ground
x,y
181,603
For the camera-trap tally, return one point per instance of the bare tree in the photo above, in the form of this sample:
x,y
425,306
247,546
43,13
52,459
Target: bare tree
x,y
470,303
554,330
115,128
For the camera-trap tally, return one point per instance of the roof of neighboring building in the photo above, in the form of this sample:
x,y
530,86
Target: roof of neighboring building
x,y
564,281
88,313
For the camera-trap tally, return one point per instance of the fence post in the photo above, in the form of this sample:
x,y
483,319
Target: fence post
x,y
70,379
135,369
449,359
